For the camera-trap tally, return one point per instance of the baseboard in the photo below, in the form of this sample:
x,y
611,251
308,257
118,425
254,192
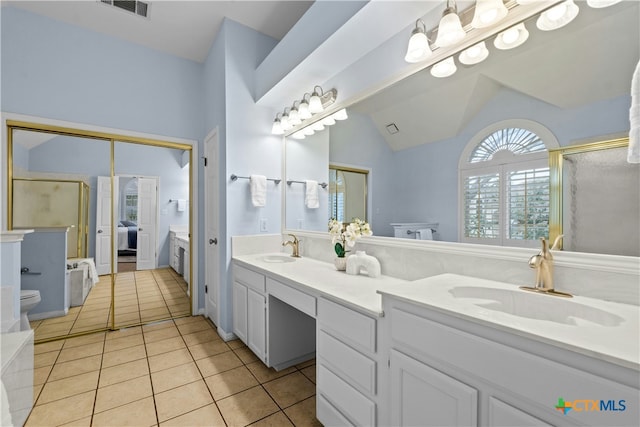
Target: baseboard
x,y
47,314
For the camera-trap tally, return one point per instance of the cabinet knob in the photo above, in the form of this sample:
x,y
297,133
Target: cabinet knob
x,y
99,231
139,229
213,241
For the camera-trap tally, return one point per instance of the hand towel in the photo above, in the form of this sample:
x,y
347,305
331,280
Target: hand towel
x,y
182,204
633,154
311,199
258,190
424,234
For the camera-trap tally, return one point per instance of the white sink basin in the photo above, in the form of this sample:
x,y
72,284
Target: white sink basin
x,y
278,258
534,306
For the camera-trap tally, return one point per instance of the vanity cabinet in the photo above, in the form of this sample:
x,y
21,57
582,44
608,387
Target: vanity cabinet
x,y
446,370
179,253
249,309
346,366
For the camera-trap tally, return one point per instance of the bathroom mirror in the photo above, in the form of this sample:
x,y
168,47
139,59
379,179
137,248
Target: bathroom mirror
x,y
596,215
572,81
145,288
347,193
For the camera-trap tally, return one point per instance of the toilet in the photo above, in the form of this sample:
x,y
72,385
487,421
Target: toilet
x,y
28,300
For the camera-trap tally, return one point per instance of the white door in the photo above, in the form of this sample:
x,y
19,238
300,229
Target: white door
x,y
211,225
147,228
103,225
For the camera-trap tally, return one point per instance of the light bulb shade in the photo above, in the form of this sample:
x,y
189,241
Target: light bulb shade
x,y
444,68
526,1
294,117
511,37
284,122
418,48
488,12
450,30
598,4
276,129
340,115
558,16
298,135
317,126
474,54
303,111
308,131
328,121
315,104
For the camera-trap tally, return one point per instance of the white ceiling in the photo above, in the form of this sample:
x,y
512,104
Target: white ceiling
x,y
182,28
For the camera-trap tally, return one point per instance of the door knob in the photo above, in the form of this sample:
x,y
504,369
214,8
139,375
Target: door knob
x,y
213,241
99,231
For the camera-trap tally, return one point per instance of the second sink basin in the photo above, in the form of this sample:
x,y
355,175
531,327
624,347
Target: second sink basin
x,y
278,258
534,306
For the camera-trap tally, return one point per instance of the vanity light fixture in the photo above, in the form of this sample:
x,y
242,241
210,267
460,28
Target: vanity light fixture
x,y
294,116
315,104
418,48
474,54
328,121
598,4
284,121
340,115
444,68
511,37
450,29
558,16
317,126
298,135
488,12
303,108
308,131
276,129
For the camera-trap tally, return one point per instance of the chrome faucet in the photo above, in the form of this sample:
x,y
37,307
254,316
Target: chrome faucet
x,y
543,264
295,246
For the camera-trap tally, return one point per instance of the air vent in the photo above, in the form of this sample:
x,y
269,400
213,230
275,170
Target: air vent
x,y
132,6
392,128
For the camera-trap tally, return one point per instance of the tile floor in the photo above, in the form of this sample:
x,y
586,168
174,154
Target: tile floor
x,y
140,297
170,373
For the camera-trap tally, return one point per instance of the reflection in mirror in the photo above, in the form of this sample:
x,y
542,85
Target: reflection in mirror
x,y
601,214
150,200
347,193
412,135
74,299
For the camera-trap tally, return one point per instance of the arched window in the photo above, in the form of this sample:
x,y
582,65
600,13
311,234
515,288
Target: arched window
x,y
504,178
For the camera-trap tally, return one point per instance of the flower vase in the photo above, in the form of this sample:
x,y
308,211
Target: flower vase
x,y
340,263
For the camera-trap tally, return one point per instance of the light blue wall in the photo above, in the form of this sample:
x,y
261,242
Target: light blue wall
x,y
357,142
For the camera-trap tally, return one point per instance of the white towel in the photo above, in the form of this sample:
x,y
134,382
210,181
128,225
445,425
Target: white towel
x,y
633,154
424,234
258,190
93,272
182,204
311,199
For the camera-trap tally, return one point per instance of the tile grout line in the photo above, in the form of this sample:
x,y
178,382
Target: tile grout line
x,y
153,394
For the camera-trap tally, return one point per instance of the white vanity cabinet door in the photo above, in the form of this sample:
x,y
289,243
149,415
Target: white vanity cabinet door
x,y
256,324
172,250
240,311
502,414
423,396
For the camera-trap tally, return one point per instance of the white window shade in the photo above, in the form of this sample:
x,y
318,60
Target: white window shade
x,y
482,206
528,204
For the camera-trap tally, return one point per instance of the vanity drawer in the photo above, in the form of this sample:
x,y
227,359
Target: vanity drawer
x,y
328,415
345,398
347,325
303,302
253,280
350,364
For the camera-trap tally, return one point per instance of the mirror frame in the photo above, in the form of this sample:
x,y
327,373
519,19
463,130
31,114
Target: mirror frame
x,y
111,138
556,165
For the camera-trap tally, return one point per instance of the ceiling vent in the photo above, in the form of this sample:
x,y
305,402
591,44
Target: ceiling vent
x,y
392,128
133,6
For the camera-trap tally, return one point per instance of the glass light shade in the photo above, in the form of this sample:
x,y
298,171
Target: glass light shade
x,y
317,126
315,104
418,48
284,122
450,30
598,4
340,115
444,68
474,54
328,121
526,1
294,117
558,16
511,37
308,131
276,129
298,135
488,12
303,110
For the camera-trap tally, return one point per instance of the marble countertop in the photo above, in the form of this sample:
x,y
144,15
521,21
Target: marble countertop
x,y
321,278
597,328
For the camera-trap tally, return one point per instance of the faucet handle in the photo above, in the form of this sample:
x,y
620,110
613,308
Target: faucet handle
x,y
556,242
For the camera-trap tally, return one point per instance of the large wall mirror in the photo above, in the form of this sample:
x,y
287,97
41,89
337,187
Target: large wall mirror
x,y
574,81
116,200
